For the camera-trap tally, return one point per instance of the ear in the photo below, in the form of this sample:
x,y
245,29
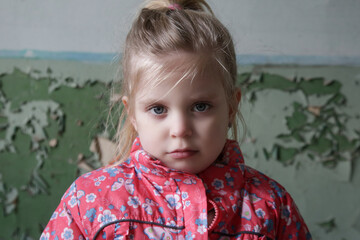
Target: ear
x,y
232,112
125,101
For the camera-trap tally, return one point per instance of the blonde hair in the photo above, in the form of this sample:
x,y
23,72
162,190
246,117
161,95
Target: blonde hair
x,y
160,30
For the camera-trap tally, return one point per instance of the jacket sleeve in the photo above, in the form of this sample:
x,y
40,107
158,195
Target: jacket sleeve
x,y
65,222
291,225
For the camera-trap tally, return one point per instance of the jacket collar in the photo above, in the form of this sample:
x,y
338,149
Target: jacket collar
x,y
230,158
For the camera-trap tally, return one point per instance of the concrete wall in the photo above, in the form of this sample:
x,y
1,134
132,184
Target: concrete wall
x,y
280,29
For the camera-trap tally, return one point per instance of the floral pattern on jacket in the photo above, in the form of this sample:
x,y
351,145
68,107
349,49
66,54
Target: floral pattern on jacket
x,y
142,199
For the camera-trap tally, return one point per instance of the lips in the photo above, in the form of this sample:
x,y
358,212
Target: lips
x,y
182,153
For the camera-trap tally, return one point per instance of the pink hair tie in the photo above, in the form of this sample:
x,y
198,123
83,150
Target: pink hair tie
x,y
175,6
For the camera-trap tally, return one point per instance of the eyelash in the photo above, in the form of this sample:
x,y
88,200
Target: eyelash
x,y
207,106
152,109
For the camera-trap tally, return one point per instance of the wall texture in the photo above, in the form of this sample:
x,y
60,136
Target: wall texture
x,y
303,130
306,31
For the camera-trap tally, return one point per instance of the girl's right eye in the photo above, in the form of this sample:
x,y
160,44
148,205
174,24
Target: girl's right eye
x,y
157,110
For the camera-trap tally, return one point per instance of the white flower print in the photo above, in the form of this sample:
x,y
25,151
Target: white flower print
x,y
67,234
106,217
285,214
187,204
45,236
201,229
54,216
184,195
90,198
134,202
222,192
257,228
102,178
173,201
247,227
73,201
260,213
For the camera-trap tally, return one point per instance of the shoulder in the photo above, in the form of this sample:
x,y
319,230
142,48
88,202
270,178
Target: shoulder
x,y
257,182
268,197
97,182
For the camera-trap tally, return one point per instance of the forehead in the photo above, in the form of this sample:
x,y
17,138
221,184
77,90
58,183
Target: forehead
x,y
177,68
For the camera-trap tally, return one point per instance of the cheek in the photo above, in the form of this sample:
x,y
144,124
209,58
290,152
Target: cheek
x,y
215,127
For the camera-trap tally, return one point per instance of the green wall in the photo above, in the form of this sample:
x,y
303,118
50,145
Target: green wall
x,y
302,129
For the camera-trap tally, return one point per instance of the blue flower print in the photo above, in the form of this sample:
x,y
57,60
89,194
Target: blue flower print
x,y
144,169
255,181
278,190
218,184
67,234
260,213
102,178
158,189
73,202
201,223
90,198
269,224
112,172
134,202
156,171
189,181
91,214
173,201
229,179
285,214
71,190
189,236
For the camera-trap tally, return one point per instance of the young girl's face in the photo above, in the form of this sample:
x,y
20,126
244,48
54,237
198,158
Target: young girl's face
x,y
185,127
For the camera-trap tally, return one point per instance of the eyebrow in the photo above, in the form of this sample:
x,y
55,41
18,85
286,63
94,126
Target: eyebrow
x,y
149,101
196,97
212,95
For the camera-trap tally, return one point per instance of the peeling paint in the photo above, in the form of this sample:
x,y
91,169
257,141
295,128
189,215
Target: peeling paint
x,y
319,130
301,122
328,225
31,118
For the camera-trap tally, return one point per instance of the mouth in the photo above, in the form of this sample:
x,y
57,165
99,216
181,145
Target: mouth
x,y
182,153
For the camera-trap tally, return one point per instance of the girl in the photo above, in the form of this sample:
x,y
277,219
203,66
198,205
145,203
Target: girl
x,y
177,175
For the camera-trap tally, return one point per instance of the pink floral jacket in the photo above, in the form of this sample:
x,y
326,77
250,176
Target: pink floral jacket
x,y
143,199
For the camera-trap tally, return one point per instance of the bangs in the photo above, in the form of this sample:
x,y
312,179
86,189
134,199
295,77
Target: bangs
x,y
151,71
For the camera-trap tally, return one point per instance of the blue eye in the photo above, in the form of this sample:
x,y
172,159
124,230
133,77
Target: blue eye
x,y
157,110
201,107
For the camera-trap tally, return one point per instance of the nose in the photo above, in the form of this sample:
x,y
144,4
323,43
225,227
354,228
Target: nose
x,y
180,125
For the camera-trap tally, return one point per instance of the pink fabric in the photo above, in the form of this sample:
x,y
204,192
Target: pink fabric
x,y
142,199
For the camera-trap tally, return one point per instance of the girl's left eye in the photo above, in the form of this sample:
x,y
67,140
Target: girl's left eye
x,y
201,107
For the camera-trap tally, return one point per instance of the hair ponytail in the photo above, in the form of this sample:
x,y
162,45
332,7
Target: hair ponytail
x,y
195,5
